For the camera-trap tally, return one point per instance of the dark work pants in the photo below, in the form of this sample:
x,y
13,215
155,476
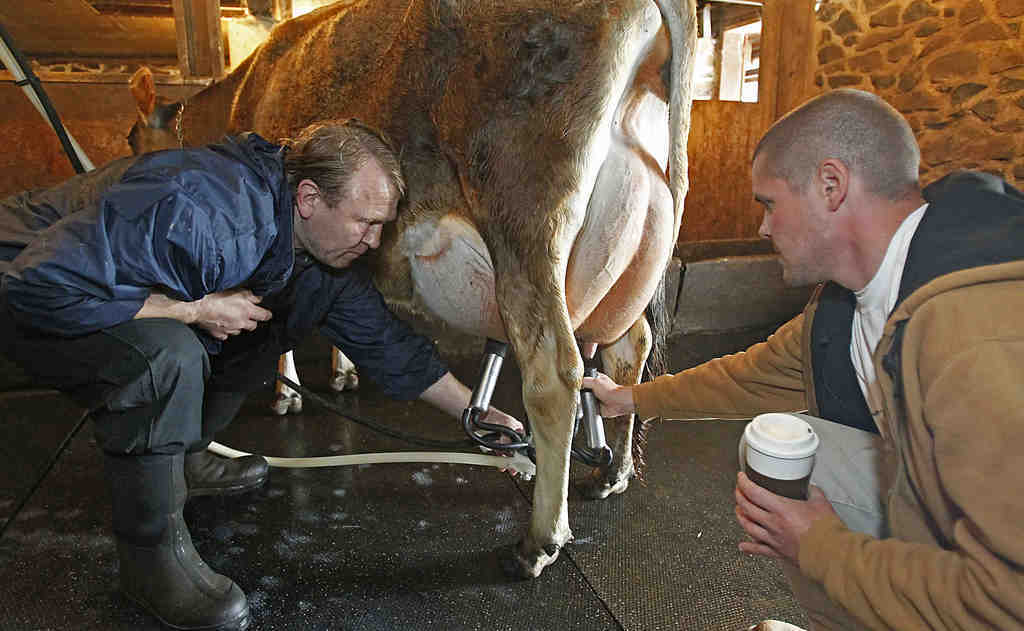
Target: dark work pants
x,y
147,382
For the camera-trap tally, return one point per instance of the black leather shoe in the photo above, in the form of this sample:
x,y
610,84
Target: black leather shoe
x,y
209,474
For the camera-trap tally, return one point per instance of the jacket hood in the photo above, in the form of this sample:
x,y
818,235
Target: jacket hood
x,y
973,220
263,157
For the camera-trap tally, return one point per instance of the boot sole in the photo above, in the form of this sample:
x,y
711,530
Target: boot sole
x,y
226,490
241,623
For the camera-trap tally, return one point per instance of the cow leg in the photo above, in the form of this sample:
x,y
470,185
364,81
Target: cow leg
x,y
623,361
287,400
343,372
552,373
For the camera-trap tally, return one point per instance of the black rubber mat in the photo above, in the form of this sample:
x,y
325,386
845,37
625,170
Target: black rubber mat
x,y
33,424
393,546
663,555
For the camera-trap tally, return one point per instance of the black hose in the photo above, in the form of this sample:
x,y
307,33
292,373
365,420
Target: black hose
x,y
37,87
46,471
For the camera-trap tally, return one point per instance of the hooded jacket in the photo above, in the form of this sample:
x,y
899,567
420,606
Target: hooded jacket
x,y
83,256
950,365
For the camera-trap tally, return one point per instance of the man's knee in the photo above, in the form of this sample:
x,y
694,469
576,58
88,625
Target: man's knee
x,y
155,395
159,356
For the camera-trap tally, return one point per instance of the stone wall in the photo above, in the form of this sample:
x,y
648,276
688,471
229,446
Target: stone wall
x,y
954,68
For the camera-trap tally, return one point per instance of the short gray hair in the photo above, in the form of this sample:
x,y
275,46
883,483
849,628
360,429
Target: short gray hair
x,y
330,152
857,127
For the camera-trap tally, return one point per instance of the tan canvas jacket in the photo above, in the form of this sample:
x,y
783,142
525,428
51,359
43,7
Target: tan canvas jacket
x,y
956,556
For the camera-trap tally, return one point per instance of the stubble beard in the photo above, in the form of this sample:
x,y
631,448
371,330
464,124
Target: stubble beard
x,y
800,274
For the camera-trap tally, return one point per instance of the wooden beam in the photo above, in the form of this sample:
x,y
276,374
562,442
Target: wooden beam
x,y
159,8
796,56
787,53
277,10
121,78
200,42
282,10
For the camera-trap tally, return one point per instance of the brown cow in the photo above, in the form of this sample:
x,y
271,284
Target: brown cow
x,y
535,141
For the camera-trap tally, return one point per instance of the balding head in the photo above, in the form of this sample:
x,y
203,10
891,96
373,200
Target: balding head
x,y
858,128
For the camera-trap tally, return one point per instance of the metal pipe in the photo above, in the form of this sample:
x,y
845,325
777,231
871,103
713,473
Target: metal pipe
x,y
488,380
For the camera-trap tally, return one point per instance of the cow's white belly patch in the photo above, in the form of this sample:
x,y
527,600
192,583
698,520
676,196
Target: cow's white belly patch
x,y
453,275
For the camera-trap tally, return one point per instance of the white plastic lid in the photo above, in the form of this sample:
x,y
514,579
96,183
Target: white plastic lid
x,y
781,436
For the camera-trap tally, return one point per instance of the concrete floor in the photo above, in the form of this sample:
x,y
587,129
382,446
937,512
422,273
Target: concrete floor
x,y
383,547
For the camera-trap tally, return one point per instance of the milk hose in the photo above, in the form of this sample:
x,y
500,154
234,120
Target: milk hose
x,y
518,462
29,82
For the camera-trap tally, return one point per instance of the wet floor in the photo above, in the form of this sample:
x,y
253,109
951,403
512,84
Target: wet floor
x,y
391,546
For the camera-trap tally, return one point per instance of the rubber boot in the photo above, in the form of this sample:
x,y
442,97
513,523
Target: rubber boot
x,y
160,569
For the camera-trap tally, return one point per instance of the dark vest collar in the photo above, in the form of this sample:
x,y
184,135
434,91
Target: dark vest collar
x,y
973,219
836,390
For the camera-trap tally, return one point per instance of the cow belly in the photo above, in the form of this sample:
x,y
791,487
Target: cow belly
x,y
615,265
621,251
452,274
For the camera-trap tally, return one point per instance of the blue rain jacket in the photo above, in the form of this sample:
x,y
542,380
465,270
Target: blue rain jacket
x,y
82,256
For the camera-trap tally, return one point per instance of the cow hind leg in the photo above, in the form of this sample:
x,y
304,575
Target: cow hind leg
x,y
343,372
623,361
287,400
552,372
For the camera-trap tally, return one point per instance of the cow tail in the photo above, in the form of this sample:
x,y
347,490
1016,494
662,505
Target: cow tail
x,y
660,321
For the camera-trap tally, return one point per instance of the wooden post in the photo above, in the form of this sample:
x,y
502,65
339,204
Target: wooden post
x,y
282,10
277,10
787,55
796,56
200,43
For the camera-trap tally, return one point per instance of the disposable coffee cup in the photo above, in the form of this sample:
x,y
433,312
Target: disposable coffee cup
x,y
779,454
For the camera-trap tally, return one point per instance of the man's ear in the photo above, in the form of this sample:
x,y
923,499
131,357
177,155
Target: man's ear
x,y
833,182
306,195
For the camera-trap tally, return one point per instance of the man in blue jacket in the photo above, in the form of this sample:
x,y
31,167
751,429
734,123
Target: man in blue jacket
x,y
158,291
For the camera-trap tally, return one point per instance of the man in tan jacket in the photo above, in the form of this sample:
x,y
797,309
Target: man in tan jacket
x,y
910,362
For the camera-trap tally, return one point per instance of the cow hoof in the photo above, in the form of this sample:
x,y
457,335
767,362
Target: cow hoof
x,y
287,403
345,380
600,484
521,563
774,625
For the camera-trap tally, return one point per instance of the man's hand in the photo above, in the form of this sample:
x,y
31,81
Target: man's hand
x,y
221,314
615,400
229,313
494,416
776,523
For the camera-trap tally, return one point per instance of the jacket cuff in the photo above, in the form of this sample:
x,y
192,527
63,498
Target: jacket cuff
x,y
815,545
646,399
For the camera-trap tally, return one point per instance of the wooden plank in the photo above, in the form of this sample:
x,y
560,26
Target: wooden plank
x,y
282,10
106,78
80,31
159,8
773,13
719,204
277,10
200,42
796,56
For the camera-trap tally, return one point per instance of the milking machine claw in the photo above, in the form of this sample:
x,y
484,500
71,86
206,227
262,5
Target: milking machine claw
x,y
596,453
489,435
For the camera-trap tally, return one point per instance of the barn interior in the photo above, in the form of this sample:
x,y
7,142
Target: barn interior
x,y
395,546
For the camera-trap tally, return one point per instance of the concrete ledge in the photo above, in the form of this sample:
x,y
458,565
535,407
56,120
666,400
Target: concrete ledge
x,y
734,292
